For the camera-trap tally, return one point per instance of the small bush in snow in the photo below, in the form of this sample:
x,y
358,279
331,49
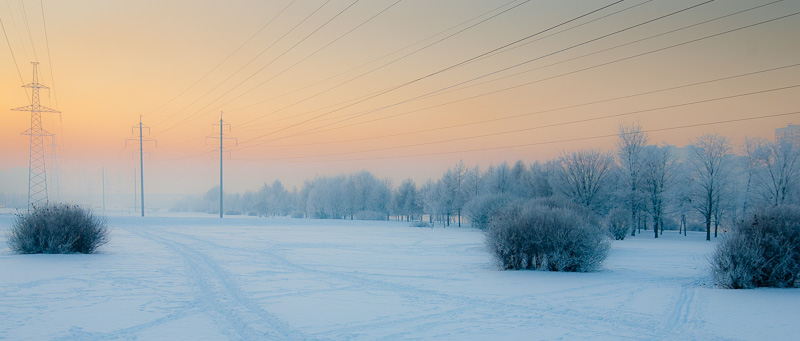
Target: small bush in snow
x,y
535,236
618,223
481,209
762,251
57,228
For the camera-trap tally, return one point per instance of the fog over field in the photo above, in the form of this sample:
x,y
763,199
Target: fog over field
x,y
400,169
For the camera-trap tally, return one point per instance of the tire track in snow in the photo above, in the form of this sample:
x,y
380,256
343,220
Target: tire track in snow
x,y
218,292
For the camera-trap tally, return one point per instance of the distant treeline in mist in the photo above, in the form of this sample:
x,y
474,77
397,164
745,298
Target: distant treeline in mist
x,y
705,186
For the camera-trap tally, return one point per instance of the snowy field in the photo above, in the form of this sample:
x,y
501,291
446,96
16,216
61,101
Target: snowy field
x,y
254,279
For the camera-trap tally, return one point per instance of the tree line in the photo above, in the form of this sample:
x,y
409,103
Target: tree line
x,y
705,186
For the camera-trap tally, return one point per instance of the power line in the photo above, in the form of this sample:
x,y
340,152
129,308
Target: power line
x,y
16,65
240,69
220,64
392,61
553,125
545,142
520,64
30,35
497,119
610,48
440,71
49,59
309,56
513,66
377,59
316,129
274,60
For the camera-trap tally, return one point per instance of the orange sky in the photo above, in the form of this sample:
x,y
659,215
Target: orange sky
x,y
115,60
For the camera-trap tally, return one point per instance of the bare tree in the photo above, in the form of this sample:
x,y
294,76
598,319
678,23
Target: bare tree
x,y
584,175
710,174
657,175
630,143
456,183
776,169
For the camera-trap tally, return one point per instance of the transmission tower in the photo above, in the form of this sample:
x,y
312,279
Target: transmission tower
x,y
221,138
37,172
141,152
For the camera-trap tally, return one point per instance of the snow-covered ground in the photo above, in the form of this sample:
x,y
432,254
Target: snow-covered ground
x,y
255,278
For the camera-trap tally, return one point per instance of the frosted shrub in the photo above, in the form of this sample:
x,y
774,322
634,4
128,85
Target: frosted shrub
x,y
57,228
481,209
564,203
535,236
618,223
761,251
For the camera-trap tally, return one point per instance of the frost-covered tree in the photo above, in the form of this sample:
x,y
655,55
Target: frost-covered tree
x,y
657,174
630,143
472,183
542,178
454,187
775,169
404,201
272,200
429,197
522,184
711,168
318,203
584,176
497,179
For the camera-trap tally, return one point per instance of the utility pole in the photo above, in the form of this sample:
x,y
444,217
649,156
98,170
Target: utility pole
x,y
37,172
220,165
221,138
135,201
142,140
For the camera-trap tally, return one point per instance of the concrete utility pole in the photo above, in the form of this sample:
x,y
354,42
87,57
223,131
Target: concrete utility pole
x,y
221,138
142,140
37,172
220,164
141,162
135,204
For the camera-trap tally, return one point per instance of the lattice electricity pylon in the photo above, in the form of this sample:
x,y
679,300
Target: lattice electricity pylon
x,y
142,140
37,171
222,139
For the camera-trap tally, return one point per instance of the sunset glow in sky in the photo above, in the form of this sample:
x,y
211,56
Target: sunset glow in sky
x,y
401,88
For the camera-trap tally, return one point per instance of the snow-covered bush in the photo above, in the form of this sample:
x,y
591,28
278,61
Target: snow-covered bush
x,y
481,209
564,203
618,222
536,236
57,228
761,251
